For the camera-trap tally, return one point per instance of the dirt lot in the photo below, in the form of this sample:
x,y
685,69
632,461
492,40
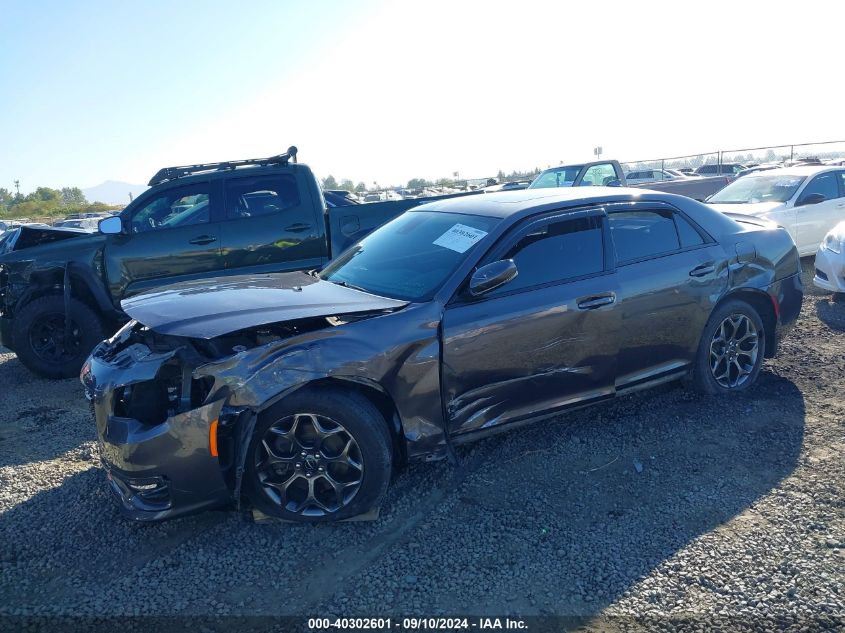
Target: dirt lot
x,y
666,506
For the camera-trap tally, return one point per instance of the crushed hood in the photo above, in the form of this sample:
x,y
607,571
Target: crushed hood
x,y
29,236
213,307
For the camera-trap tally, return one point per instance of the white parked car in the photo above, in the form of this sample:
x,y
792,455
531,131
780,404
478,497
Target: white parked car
x,y
806,201
830,261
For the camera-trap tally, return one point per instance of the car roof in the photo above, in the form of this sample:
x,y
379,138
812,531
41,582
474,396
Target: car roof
x,y
523,202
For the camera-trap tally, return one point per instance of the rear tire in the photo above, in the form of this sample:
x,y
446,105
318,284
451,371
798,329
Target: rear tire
x,y
320,455
731,349
39,336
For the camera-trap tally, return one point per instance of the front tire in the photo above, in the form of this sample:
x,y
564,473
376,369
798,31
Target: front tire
x,y
730,353
45,345
319,455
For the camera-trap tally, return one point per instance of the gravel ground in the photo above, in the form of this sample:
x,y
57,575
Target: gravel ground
x,y
663,506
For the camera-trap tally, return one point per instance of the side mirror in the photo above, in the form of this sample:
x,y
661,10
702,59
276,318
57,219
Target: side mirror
x,y
614,183
111,226
491,276
811,198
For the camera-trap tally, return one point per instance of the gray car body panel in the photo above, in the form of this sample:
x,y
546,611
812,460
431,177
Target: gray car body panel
x,y
421,356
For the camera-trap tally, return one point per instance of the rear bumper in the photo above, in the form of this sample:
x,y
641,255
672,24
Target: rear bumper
x,y
787,296
155,471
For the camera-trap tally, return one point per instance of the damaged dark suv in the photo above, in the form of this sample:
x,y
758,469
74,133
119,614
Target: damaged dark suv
x,y
300,393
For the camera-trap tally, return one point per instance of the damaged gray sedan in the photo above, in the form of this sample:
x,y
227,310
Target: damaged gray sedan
x,y
300,393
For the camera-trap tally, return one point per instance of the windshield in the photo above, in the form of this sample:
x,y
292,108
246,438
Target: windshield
x,y
557,177
411,256
758,188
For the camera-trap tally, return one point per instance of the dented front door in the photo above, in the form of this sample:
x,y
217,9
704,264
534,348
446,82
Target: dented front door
x,y
525,351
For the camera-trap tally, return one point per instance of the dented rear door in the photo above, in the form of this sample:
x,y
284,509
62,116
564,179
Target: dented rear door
x,y
545,341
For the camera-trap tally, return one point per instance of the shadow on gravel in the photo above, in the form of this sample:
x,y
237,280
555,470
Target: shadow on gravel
x,y
40,419
831,312
578,522
562,518
565,518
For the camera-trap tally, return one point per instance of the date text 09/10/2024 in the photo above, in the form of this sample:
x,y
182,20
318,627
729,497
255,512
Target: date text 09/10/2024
x,y
384,624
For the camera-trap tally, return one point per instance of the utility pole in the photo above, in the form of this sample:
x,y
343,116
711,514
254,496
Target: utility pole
x,y
18,187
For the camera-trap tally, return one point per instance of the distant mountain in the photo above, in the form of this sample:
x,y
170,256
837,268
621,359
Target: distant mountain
x,y
113,192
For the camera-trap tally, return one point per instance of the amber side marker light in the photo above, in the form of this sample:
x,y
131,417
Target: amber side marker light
x,y
212,438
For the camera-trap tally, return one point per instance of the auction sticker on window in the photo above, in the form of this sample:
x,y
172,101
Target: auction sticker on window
x,y
459,238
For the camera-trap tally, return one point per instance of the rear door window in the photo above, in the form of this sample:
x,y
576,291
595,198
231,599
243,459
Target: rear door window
x,y
687,233
264,195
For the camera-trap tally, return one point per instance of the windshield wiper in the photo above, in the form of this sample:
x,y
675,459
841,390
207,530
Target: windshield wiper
x,y
346,284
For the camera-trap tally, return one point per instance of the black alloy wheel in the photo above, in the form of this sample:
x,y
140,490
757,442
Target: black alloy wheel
x,y
50,346
733,351
309,464
730,353
321,454
49,340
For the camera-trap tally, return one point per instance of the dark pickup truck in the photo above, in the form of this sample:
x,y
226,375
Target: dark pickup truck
x,y
246,216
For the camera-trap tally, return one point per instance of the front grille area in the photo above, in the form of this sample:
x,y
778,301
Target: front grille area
x,y
172,391
149,493
150,402
154,401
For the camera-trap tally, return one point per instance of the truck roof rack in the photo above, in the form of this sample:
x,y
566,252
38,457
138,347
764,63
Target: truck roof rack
x,y
171,173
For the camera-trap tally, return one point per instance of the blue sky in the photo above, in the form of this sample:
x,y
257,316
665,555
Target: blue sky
x,y
386,91
86,83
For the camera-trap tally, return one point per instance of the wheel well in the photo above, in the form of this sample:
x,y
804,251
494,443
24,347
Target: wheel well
x,y
382,401
52,282
762,304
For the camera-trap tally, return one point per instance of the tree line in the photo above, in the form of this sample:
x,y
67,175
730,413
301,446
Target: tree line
x,y
330,182
47,202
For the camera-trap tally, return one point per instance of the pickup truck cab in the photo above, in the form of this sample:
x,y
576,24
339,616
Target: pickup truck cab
x,y
609,173
215,219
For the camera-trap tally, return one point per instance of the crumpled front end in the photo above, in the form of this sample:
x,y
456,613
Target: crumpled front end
x,y
164,438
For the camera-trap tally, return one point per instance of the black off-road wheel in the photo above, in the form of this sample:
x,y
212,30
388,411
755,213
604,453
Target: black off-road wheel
x,y
50,347
320,455
731,350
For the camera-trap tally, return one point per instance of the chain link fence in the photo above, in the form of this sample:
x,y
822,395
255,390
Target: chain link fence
x,y
786,155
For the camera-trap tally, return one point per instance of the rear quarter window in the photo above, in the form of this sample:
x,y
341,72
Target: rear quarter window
x,y
641,234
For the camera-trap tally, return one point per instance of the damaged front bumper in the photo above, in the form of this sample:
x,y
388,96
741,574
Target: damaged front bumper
x,y
165,455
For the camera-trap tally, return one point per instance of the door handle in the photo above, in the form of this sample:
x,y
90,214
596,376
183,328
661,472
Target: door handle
x,y
203,239
299,227
596,301
701,271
